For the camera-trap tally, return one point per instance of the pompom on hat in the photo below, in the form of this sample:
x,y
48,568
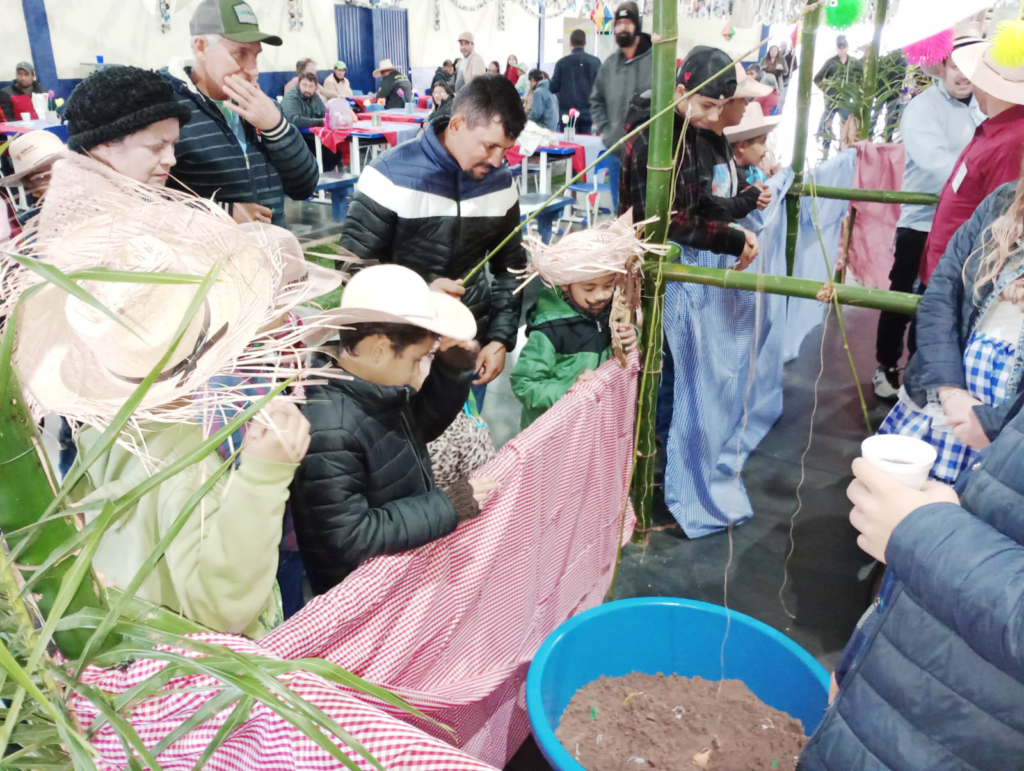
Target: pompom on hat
x,y
977,64
118,101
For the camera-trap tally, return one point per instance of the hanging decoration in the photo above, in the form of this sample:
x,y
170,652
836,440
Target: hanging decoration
x,y
437,15
549,9
466,7
706,9
843,14
294,15
729,32
501,15
771,12
1008,44
164,8
930,51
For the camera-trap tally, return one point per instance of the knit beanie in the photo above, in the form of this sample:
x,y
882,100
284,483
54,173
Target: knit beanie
x,y
629,10
118,101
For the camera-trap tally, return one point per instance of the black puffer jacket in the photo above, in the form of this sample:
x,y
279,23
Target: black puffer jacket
x,y
366,486
414,206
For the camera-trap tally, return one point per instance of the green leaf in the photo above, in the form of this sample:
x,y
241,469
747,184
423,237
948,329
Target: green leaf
x,y
211,708
238,716
114,276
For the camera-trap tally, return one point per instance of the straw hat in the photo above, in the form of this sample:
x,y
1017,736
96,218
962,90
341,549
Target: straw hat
x,y
1004,83
31,153
301,280
78,362
394,294
754,124
385,67
747,87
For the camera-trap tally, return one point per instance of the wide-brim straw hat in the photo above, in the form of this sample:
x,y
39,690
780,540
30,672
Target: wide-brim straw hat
x,y
385,67
1004,83
392,294
31,153
301,280
747,87
754,124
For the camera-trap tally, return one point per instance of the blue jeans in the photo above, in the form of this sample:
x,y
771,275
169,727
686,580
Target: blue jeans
x,y
479,392
290,572
666,394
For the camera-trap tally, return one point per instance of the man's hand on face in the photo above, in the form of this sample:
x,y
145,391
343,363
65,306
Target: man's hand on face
x,y
248,101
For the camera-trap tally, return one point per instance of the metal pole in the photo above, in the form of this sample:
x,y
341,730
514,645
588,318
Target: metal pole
x,y
660,177
862,297
870,85
803,110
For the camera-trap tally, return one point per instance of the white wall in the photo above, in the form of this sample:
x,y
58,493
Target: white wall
x,y
128,32
14,45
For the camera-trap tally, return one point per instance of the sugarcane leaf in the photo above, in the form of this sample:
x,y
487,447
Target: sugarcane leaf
x,y
125,731
237,717
62,281
30,755
211,708
100,635
81,753
112,275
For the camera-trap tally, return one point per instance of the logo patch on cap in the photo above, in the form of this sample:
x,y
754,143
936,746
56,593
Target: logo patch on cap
x,y
245,14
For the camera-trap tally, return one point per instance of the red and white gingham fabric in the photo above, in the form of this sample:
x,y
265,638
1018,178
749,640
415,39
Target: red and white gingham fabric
x,y
451,627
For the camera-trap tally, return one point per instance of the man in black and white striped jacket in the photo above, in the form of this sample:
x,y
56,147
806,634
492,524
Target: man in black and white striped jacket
x,y
238,148
438,203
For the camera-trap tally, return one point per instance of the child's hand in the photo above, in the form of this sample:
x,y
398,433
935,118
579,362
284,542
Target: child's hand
x,y
880,503
765,199
484,488
286,440
460,354
627,336
585,375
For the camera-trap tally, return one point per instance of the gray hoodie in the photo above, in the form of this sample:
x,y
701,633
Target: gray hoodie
x,y
618,81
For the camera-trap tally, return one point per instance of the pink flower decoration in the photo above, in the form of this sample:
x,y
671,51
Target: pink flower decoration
x,y
573,112
401,93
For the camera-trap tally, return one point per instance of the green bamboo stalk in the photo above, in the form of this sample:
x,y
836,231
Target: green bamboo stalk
x,y
803,110
870,196
870,84
857,296
660,178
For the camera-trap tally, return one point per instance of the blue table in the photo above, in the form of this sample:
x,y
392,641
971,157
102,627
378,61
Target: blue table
x,y
340,186
548,215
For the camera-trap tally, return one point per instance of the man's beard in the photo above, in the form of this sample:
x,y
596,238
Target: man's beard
x,y
625,39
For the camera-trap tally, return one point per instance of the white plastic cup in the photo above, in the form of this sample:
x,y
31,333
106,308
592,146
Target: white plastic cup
x,y
904,458
26,116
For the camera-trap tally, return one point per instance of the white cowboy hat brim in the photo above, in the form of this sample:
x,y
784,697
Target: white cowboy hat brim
x,y
742,134
382,73
449,318
14,180
1001,82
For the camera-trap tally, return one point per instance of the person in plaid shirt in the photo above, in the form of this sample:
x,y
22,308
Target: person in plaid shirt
x,y
696,221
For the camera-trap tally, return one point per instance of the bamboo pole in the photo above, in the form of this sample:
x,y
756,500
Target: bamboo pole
x,y
870,196
870,84
660,179
859,296
803,111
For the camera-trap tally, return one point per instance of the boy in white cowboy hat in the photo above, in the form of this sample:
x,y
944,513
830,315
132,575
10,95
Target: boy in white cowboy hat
x,y
749,142
366,486
392,82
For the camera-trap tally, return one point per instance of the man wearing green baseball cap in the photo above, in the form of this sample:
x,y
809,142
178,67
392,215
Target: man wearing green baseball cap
x,y
337,83
238,148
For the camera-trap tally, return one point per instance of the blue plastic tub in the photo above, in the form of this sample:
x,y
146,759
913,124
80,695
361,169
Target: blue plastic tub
x,y
672,636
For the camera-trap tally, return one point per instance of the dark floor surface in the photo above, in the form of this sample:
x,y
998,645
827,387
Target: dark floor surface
x,y
829,577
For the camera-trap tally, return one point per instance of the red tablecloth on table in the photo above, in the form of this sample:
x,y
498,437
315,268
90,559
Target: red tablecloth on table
x,y
336,139
7,128
423,102
398,118
514,155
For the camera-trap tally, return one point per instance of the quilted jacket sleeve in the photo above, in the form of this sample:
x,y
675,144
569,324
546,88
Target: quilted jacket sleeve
x,y
534,381
370,226
967,574
337,527
506,307
440,400
294,163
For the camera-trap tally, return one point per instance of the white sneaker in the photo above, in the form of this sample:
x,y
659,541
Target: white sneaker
x,y
886,383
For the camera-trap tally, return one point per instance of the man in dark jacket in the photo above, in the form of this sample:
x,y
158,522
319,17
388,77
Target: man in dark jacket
x,y
366,486
16,97
624,74
573,81
304,109
837,76
238,148
446,74
442,202
392,82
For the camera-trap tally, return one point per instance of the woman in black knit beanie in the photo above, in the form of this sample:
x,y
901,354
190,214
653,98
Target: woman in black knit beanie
x,y
127,119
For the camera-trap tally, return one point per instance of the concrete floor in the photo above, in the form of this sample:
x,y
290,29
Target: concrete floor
x,y
829,577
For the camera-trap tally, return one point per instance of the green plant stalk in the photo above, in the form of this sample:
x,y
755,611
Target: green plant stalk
x,y
860,297
839,318
803,110
870,84
661,172
870,196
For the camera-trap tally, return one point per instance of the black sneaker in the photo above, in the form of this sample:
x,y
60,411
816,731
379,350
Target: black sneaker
x,y
887,383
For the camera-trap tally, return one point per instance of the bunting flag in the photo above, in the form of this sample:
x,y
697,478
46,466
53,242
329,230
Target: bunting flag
x,y
729,32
